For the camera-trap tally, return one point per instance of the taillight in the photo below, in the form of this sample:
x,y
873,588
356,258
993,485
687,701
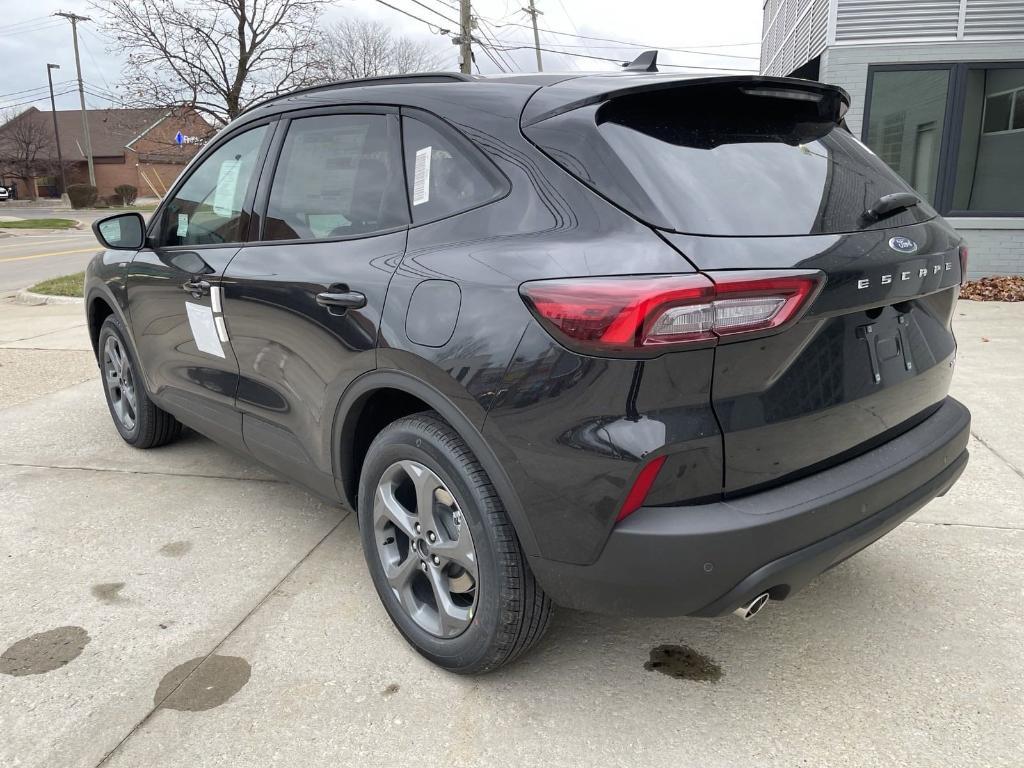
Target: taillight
x,y
643,315
963,263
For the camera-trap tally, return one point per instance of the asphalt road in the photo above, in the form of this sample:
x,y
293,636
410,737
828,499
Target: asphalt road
x,y
183,607
30,256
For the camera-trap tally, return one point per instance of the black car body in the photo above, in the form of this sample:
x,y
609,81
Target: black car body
x,y
641,476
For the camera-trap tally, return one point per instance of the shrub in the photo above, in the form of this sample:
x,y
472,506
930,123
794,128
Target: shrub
x,y
115,199
127,192
82,195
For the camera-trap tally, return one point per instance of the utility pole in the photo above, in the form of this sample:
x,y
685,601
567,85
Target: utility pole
x,y
56,131
465,38
74,19
534,13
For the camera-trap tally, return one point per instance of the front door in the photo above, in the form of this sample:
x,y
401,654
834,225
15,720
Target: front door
x,y
174,288
303,303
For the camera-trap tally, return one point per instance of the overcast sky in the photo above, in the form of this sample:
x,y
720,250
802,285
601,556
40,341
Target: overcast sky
x,y
30,37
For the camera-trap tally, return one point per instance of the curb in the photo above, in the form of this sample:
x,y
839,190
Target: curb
x,y
37,299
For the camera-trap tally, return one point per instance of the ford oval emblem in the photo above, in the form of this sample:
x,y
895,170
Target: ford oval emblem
x,y
902,244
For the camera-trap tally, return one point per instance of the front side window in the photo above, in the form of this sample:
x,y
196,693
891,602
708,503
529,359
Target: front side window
x,y
445,173
955,133
338,176
208,209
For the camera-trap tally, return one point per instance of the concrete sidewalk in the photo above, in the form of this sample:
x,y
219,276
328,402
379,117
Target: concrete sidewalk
x,y
182,607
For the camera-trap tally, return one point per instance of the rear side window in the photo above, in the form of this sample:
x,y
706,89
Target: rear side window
x,y
337,176
725,160
445,173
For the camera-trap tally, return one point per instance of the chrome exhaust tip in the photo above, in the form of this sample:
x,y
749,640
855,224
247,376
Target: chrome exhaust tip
x,y
751,609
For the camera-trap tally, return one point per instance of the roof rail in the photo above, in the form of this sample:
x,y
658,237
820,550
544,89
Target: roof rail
x,y
415,77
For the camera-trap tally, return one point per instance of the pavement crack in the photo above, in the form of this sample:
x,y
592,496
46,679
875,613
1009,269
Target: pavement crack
x,y
968,525
998,455
156,706
142,472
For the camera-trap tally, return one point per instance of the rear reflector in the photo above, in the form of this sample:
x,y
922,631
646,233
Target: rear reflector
x,y
640,488
641,315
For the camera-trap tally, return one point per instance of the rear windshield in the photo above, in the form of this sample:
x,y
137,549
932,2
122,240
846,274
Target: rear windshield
x,y
726,160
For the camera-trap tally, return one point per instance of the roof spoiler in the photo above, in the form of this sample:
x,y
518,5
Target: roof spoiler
x,y
584,91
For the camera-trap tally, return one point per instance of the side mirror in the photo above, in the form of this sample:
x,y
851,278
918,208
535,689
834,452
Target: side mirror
x,y
123,232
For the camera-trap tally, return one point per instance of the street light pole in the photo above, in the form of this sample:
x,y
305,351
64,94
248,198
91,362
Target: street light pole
x,y
74,18
56,130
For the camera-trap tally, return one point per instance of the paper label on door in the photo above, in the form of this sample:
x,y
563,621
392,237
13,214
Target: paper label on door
x,y
204,329
182,224
421,178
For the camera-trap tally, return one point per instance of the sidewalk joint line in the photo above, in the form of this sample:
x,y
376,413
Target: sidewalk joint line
x,y
30,465
156,707
998,455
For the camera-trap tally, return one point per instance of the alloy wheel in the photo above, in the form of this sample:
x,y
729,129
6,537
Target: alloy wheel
x,y
120,381
426,549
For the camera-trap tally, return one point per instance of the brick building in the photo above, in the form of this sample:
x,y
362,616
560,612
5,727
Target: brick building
x,y
938,94
129,146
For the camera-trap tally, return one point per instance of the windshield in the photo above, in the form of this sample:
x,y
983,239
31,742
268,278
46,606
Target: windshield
x,y
725,160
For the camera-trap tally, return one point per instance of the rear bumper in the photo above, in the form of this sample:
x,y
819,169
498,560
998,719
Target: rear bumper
x,y
707,560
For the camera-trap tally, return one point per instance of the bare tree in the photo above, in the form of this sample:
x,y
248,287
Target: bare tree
x,y
27,147
356,48
219,55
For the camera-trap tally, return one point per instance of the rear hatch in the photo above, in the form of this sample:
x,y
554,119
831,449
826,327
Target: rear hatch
x,y
760,174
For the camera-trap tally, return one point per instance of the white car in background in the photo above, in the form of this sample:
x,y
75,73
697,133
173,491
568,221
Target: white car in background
x,y
4,194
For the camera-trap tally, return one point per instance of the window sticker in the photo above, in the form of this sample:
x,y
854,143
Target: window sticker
x,y
204,329
227,184
182,224
421,179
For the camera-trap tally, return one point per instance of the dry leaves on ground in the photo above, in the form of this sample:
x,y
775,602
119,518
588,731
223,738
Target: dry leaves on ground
x,y
1008,288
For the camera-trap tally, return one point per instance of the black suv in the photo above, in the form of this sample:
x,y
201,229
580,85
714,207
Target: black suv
x,y
630,343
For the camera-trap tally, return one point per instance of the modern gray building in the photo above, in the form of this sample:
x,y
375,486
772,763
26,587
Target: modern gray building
x,y
938,94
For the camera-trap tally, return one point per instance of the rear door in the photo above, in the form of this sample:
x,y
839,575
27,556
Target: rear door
x,y
303,300
174,286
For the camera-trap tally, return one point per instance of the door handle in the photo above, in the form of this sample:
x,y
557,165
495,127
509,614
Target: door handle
x,y
343,299
196,287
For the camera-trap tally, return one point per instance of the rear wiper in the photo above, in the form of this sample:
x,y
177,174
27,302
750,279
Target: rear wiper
x,y
887,205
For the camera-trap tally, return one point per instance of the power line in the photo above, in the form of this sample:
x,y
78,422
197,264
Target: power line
x,y
424,5
44,97
692,49
43,88
620,61
493,40
430,24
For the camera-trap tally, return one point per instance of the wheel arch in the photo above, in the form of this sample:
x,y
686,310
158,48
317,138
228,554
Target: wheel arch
x,y
99,306
355,426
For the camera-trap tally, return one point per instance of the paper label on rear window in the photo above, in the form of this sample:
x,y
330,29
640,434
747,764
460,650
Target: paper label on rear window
x,y
204,329
421,179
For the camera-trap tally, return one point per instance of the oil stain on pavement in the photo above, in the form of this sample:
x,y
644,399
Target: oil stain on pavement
x,y
200,684
683,663
176,548
108,593
43,652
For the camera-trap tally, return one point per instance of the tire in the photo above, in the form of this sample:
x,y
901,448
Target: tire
x,y
493,616
137,419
